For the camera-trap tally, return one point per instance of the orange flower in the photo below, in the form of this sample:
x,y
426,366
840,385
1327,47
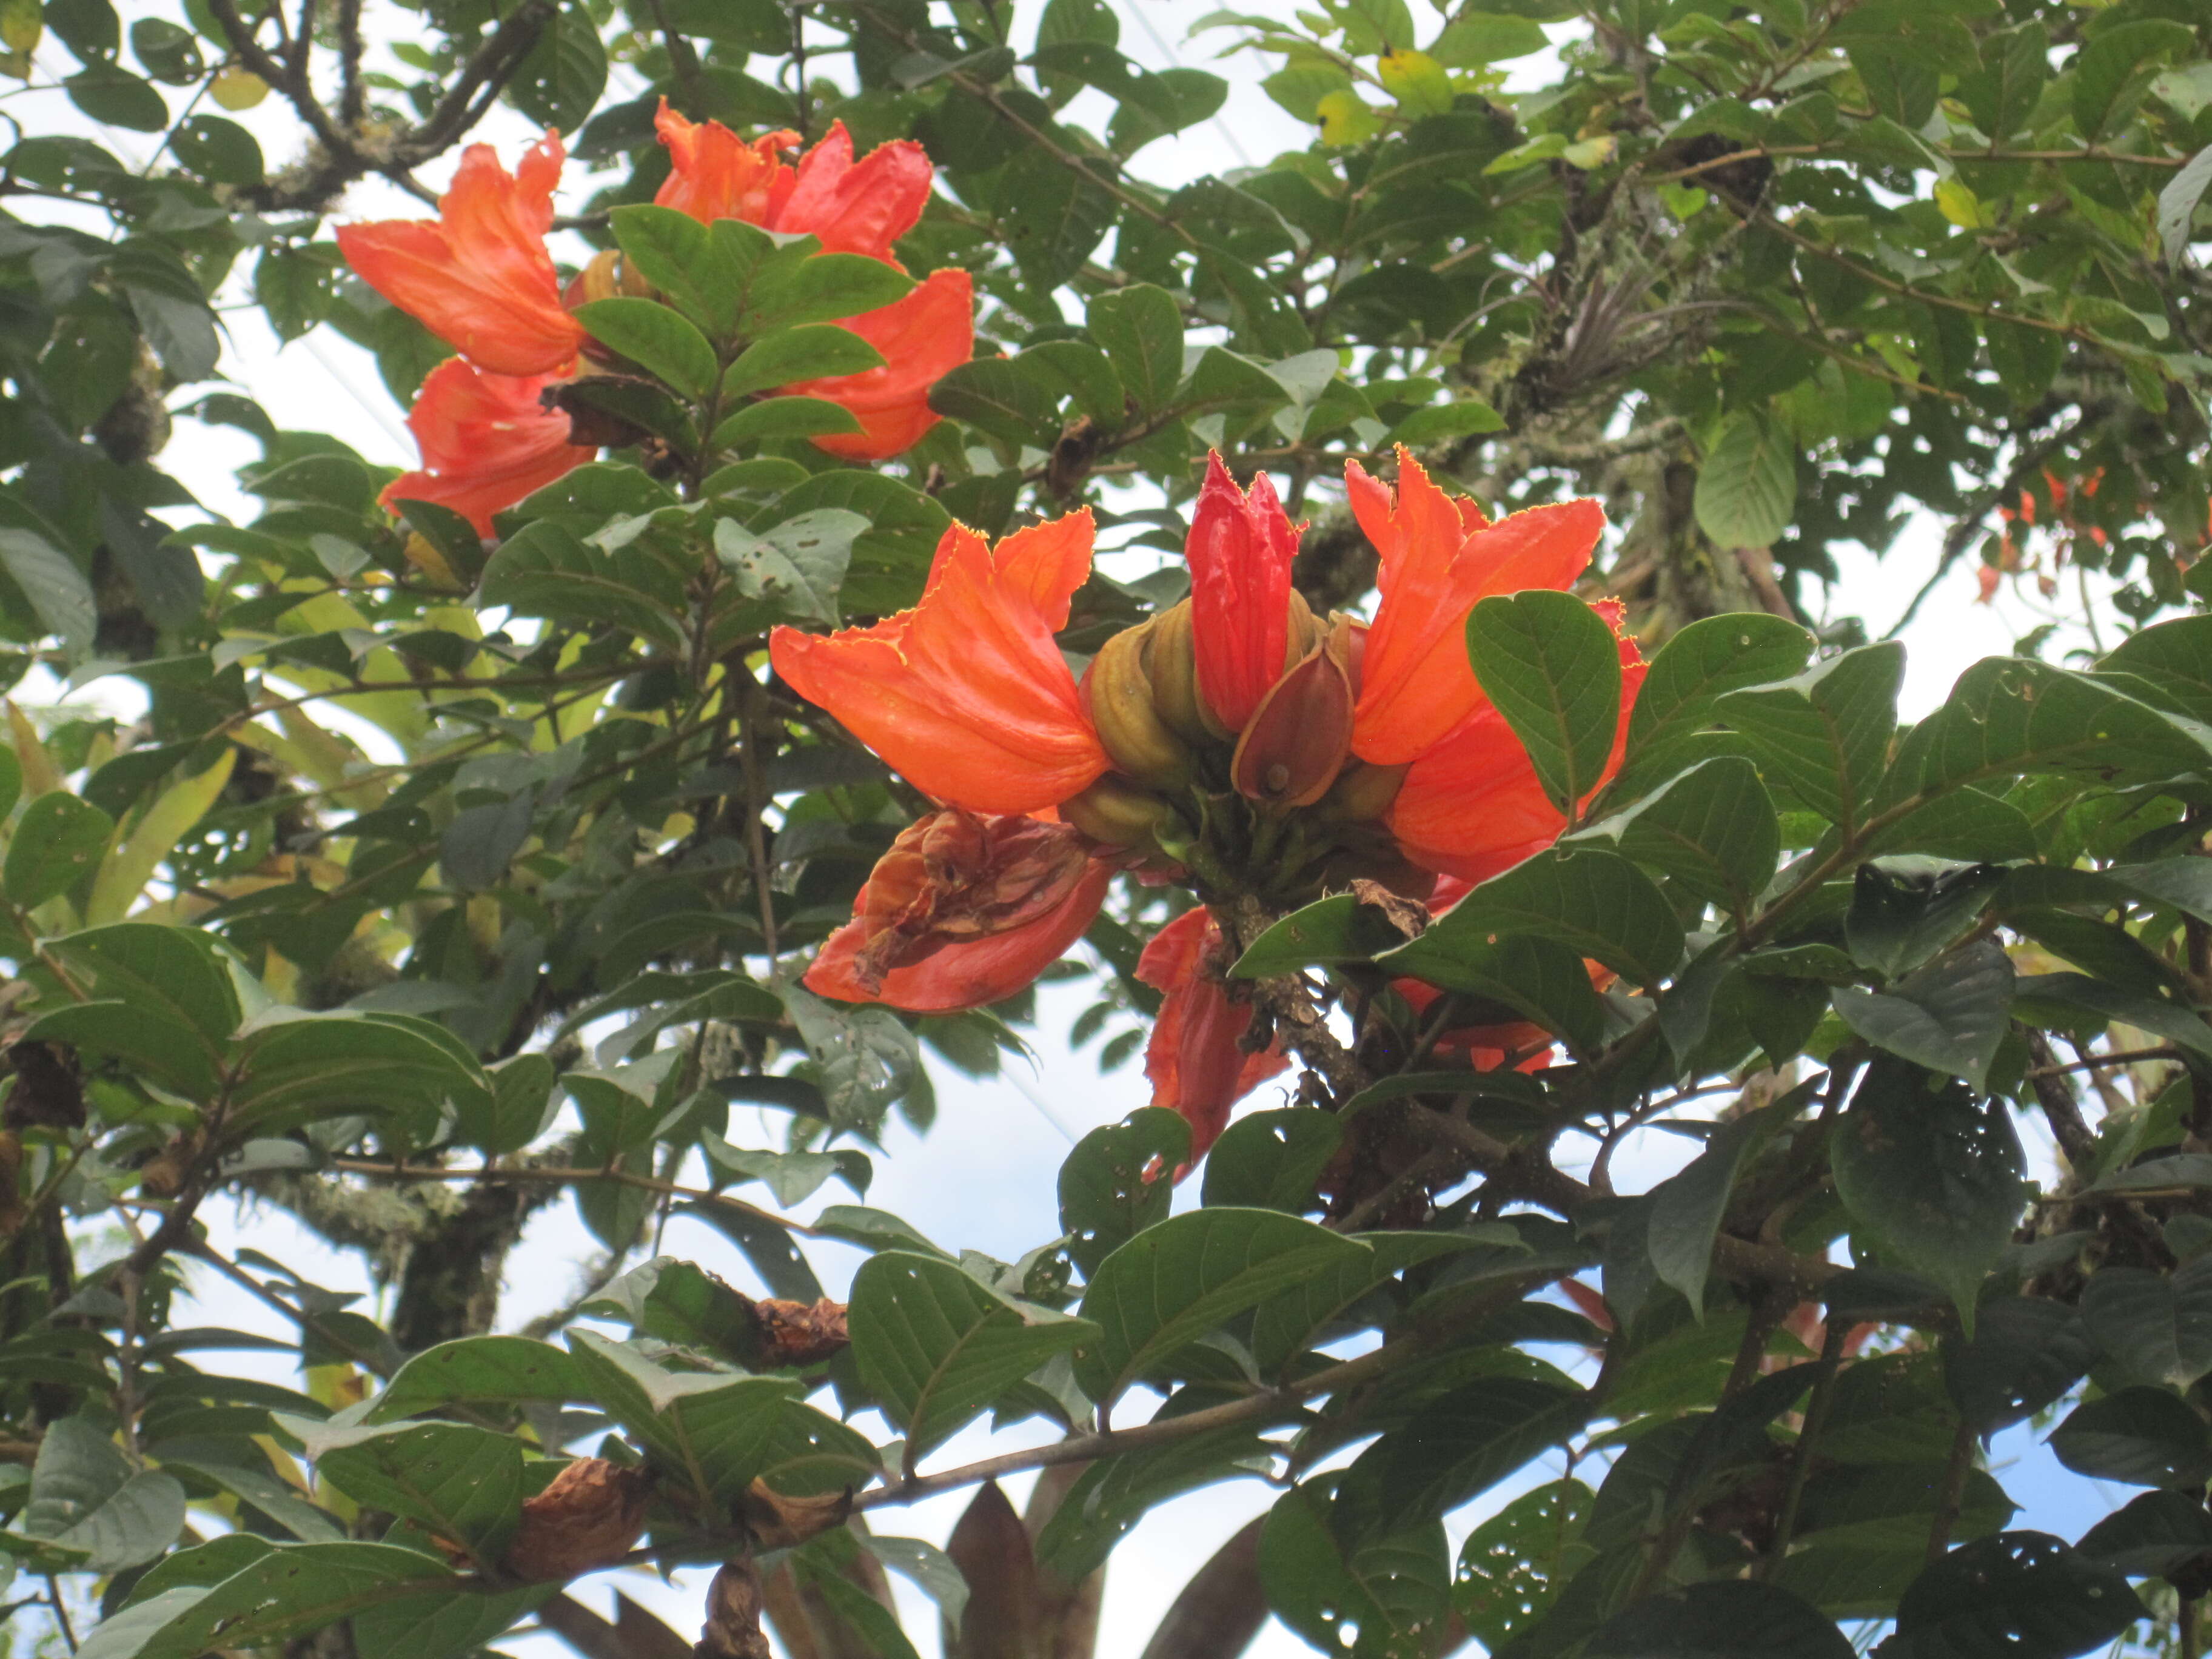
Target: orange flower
x,y
486,443
967,693
1239,550
923,338
963,911
480,278
1471,805
1439,556
851,208
1195,1060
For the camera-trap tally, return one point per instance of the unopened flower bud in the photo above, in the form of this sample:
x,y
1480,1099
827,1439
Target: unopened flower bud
x,y
1299,738
1118,813
1118,695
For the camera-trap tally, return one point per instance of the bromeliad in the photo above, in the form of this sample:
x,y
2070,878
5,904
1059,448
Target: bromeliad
x,y
1234,744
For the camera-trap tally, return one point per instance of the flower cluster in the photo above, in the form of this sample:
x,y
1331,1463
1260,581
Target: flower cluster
x,y
481,278
1235,744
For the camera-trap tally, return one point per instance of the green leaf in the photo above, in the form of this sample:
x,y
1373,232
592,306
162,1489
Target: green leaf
x,y
783,419
168,974
1513,1566
283,1593
477,1370
1949,1016
1460,1444
815,351
2024,1355
543,570
222,152
866,1057
1711,656
2114,66
937,1347
1175,1282
791,292
1475,38
1119,1181
2010,715
655,337
1824,735
1903,910
1051,214
2024,1594
1270,1160
1687,1208
560,78
1552,665
1000,397
1595,904
2158,1325
1336,929
89,1500
2141,1436
2167,663
796,566
1937,1178
1747,488
695,271
1081,371
1464,418
2151,1534
1113,1494
310,1067
460,1481
1387,1598
1712,830
59,838
2177,204
51,584
1728,1620
2001,97
113,95
714,1431
1140,329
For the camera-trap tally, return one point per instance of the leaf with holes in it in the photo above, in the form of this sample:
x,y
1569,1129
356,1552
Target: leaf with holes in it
x,y
937,1346
1935,1176
1387,1598
1513,1566
1119,1181
2025,1353
797,566
2024,1594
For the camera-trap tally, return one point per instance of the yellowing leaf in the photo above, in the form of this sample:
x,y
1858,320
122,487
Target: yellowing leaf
x,y
426,558
1590,152
125,871
21,23
40,775
1346,120
238,89
1959,203
1417,81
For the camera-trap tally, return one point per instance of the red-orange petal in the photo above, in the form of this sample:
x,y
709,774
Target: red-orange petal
x,y
859,208
1439,556
480,277
1472,805
923,338
971,974
1240,550
714,175
486,443
1194,1059
967,693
